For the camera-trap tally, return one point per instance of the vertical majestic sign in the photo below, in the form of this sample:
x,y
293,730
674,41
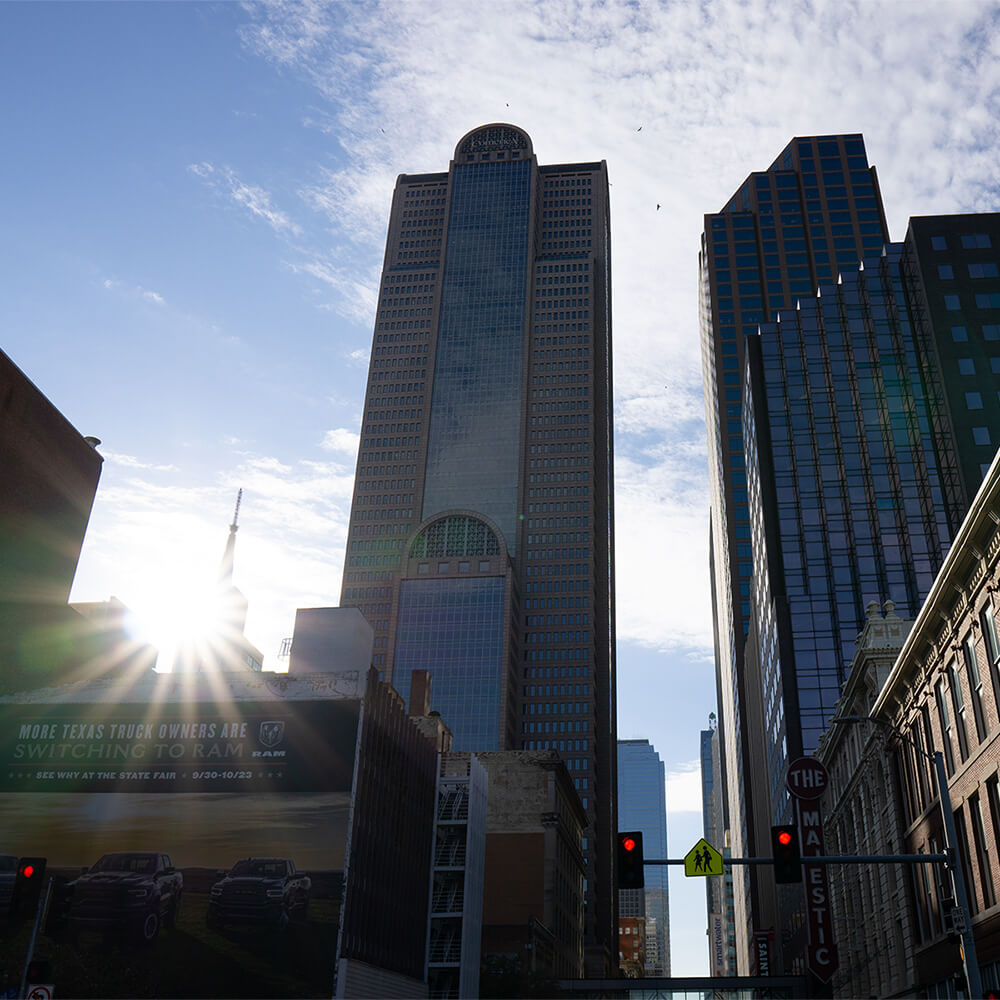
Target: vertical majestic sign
x,y
807,780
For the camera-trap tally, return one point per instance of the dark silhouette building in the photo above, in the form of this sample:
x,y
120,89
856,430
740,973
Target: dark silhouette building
x,y
50,476
481,534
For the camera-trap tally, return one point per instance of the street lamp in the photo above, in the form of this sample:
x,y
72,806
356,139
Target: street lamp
x,y
969,959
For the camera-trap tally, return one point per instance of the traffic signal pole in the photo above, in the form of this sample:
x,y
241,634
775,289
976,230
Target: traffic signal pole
x,y
40,912
827,859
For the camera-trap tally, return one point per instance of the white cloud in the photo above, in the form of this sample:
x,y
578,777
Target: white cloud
x,y
131,462
253,198
719,89
340,439
684,788
134,291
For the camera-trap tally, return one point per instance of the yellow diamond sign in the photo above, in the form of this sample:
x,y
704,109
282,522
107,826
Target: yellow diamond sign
x,y
702,859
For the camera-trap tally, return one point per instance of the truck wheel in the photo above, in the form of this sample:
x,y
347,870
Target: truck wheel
x,y
149,927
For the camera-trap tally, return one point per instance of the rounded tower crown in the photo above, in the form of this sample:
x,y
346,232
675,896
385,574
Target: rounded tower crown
x,y
495,138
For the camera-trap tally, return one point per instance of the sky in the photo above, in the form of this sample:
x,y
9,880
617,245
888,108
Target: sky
x,y
196,199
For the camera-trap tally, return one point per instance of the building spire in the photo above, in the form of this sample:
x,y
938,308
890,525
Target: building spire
x,y
226,569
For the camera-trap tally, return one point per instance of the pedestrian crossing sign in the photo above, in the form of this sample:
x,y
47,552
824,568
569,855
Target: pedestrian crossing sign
x,y
702,859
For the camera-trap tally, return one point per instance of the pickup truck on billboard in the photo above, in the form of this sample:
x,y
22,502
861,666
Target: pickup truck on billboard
x,y
260,892
131,892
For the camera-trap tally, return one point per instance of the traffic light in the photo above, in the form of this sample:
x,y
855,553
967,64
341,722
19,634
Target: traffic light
x,y
39,971
28,885
630,864
785,851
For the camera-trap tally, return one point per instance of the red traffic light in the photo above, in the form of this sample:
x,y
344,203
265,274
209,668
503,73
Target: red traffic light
x,y
27,871
784,837
629,844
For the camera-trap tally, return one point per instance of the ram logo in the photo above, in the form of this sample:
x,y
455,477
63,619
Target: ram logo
x,y
271,733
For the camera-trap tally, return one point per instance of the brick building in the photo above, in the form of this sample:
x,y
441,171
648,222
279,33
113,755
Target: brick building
x,y
943,694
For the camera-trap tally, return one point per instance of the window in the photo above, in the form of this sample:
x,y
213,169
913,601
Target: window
x,y
944,720
981,435
975,685
951,303
946,271
982,850
976,241
993,798
974,400
959,333
939,243
990,640
987,300
995,366
986,269
966,366
958,705
963,847
991,331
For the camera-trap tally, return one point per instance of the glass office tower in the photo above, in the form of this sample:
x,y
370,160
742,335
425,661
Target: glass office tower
x,y
815,211
853,489
847,433
481,533
642,805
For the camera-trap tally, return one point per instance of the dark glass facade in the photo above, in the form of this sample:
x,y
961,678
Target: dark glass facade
x,y
456,628
473,449
815,211
847,464
642,805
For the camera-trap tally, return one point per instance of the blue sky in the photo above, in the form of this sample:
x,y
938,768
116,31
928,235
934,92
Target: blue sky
x,y
195,210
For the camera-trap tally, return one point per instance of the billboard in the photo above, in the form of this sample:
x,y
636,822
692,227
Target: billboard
x,y
197,846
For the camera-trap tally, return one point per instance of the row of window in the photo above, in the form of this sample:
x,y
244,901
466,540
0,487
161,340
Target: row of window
x,y
969,241
984,300
555,690
556,708
953,710
554,673
446,567
568,726
981,269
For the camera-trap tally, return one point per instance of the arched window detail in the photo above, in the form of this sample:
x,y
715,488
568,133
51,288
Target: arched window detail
x,y
455,536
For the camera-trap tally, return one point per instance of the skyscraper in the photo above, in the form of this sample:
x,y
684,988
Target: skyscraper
x,y
815,210
864,412
481,533
642,805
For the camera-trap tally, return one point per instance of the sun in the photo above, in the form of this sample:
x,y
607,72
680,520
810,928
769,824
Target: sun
x,y
193,625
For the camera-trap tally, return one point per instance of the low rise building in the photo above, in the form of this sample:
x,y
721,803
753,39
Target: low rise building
x,y
535,870
861,809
